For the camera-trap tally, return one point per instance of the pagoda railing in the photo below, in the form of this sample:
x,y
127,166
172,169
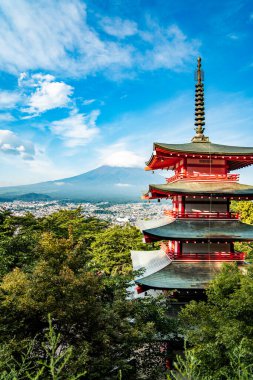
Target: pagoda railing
x,y
212,256
204,177
219,256
202,215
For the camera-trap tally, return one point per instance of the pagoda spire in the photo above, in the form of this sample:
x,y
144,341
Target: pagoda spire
x,y
199,106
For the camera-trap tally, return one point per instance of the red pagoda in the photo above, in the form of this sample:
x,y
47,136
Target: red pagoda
x,y
198,234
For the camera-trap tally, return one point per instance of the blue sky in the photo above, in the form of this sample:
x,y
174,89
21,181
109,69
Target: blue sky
x,y
88,83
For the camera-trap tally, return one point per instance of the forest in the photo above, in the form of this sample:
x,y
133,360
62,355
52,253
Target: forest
x,y
67,311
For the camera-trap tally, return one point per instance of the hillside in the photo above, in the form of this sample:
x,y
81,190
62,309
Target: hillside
x,y
105,183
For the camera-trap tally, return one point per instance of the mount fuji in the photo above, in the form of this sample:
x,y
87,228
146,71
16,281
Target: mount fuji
x,y
106,183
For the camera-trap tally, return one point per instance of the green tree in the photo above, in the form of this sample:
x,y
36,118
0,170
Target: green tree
x,y
61,222
217,327
245,209
111,249
19,236
90,309
32,366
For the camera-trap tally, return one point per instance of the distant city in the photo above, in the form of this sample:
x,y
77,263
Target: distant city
x,y
119,214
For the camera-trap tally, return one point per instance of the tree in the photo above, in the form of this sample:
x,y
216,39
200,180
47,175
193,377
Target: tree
x,y
90,309
53,366
61,222
189,367
111,249
217,327
19,236
245,209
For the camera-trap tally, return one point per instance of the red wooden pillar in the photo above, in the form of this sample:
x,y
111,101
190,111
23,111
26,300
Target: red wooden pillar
x,y
175,204
183,205
228,205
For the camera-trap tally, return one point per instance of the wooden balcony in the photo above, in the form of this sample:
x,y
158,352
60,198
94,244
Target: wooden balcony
x,y
202,215
204,177
209,257
214,256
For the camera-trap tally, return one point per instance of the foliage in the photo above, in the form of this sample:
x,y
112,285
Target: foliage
x,y
77,270
64,221
245,209
111,249
216,328
32,366
19,236
189,367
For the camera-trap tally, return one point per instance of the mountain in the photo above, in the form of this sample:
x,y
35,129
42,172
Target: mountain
x,y
105,183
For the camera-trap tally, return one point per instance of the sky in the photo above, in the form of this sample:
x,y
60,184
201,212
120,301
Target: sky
x,y
96,82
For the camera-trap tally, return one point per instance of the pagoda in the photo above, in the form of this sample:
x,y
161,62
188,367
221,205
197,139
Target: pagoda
x,y
198,234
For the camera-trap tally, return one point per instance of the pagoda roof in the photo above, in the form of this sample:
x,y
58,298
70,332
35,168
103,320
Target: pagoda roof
x,y
221,188
151,261
190,229
206,148
167,155
182,275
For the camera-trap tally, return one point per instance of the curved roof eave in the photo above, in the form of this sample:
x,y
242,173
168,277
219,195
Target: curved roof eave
x,y
203,188
206,148
190,229
182,275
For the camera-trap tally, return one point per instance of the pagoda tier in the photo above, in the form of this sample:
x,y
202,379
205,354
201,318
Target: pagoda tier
x,y
163,273
202,230
170,156
193,189
181,275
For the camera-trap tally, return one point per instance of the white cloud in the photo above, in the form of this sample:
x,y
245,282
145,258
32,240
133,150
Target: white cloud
x,y
42,168
8,99
48,94
6,116
35,80
10,143
168,48
119,155
233,36
77,129
33,38
123,184
88,102
118,27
